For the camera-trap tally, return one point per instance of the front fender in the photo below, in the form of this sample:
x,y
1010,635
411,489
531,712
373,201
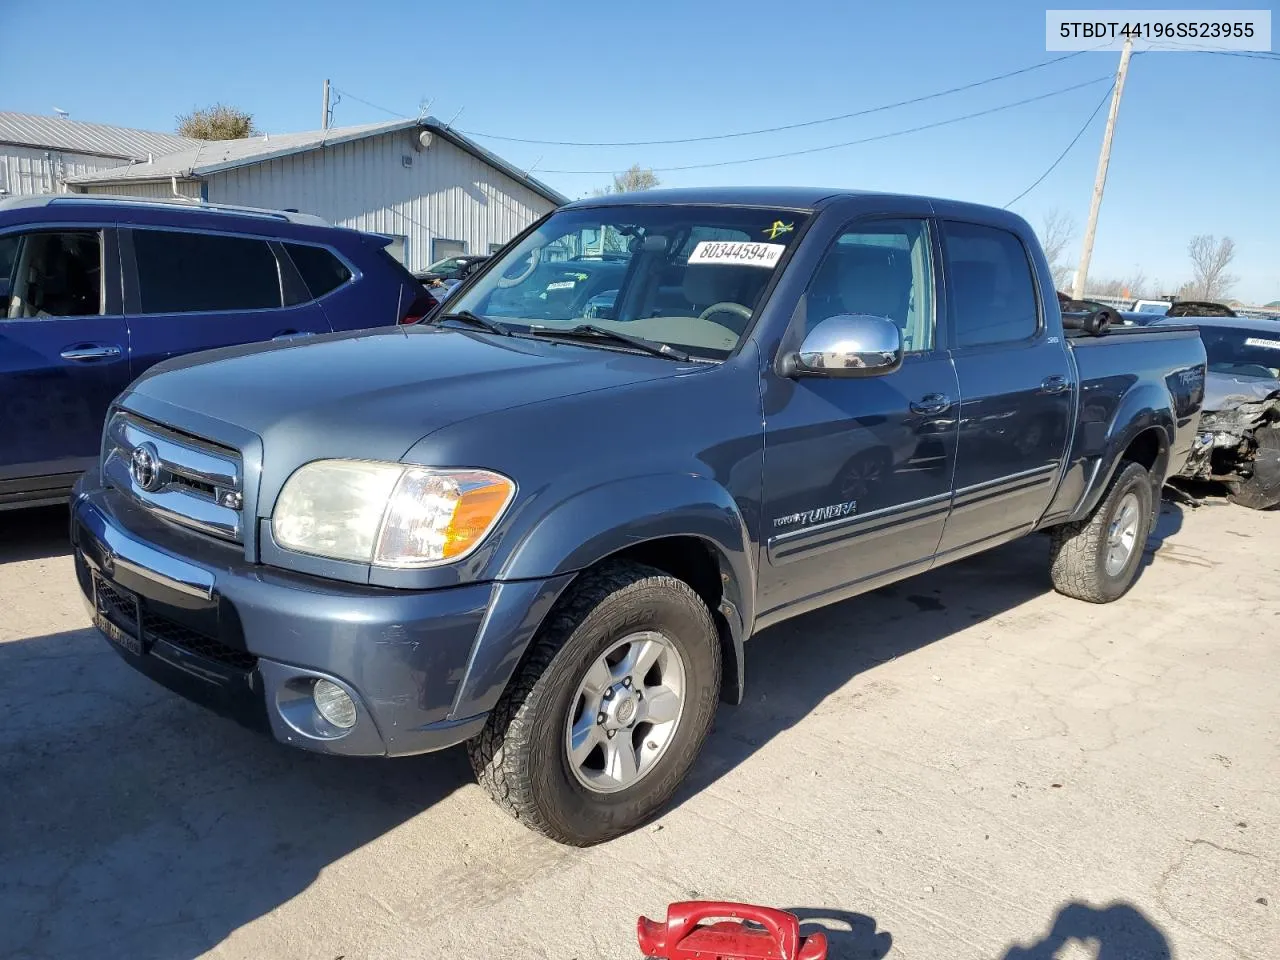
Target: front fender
x,y
605,520
1145,407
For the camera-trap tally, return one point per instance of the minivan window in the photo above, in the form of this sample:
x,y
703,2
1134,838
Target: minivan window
x,y
56,273
992,295
181,272
321,271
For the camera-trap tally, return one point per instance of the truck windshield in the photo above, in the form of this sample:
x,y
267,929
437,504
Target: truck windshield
x,y
1242,353
688,276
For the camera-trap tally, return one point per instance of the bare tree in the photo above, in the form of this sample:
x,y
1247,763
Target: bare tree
x,y
633,178
219,122
1210,258
1057,230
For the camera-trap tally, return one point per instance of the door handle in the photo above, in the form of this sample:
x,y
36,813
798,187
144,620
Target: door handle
x,y
1055,384
94,352
931,404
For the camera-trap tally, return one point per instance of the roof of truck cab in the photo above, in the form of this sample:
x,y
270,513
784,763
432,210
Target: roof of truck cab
x,y
790,198
796,198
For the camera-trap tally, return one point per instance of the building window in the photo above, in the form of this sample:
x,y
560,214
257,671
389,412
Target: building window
x,y
442,248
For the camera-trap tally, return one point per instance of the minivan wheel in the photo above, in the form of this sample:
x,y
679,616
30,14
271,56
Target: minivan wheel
x,y
609,709
1097,559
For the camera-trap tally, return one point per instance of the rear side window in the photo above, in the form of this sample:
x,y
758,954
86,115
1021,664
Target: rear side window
x,y
198,272
992,295
321,271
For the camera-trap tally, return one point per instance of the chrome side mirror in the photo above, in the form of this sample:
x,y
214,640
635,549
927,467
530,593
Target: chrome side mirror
x,y
849,345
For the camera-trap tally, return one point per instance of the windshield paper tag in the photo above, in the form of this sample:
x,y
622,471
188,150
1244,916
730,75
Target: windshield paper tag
x,y
1262,342
764,255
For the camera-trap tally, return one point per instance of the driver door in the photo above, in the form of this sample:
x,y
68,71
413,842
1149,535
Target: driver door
x,y
858,472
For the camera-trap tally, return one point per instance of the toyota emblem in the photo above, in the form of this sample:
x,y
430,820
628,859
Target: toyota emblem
x,y
144,467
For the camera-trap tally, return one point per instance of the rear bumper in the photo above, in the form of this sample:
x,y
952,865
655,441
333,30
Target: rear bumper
x,y
249,641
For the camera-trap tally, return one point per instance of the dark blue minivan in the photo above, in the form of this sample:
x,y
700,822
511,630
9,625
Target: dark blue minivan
x,y
94,290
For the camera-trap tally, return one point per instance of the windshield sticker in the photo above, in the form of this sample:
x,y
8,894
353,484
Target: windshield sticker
x,y
562,285
764,255
1262,342
778,227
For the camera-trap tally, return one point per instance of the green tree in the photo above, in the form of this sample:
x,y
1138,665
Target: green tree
x,y
219,122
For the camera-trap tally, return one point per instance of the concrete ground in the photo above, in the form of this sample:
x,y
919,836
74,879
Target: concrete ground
x,y
964,766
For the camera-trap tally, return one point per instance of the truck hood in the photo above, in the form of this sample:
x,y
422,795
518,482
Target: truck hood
x,y
375,393
1223,391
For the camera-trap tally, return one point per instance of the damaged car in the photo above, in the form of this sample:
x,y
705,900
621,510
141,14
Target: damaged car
x,y
1239,439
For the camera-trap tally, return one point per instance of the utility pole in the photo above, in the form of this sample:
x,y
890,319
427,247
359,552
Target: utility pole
x,y
324,119
1104,160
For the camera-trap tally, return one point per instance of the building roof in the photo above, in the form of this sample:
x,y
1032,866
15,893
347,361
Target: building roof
x,y
204,158
98,139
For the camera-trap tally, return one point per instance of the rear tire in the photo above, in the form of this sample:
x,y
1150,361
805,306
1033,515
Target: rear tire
x,y
523,756
1097,559
1260,490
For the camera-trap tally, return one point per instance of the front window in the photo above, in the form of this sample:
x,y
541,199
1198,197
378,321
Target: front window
x,y
1242,353
687,276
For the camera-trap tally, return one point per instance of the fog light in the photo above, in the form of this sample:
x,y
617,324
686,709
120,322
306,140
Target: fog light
x,y
334,704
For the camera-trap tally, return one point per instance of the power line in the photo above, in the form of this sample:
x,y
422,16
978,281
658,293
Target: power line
x,y
850,143
777,129
349,94
1074,140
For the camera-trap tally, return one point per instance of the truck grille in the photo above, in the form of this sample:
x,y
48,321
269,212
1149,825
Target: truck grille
x,y
186,480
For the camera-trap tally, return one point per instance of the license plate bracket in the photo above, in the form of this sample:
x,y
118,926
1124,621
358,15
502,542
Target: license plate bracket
x,y
118,614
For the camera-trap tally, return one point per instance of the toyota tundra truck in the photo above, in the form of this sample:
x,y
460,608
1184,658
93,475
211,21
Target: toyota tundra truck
x,y
544,521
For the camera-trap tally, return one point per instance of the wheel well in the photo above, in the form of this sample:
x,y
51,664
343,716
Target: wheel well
x,y
685,558
698,564
1144,449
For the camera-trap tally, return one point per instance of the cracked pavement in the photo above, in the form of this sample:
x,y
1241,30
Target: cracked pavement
x,y
965,765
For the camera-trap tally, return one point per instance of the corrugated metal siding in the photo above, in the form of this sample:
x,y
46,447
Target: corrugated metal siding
x,y
29,171
60,133
162,190
363,184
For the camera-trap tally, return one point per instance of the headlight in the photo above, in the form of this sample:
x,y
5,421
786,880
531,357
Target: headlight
x,y
388,514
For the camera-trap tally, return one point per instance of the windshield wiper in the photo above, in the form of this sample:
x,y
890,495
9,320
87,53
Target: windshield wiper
x,y
484,323
591,331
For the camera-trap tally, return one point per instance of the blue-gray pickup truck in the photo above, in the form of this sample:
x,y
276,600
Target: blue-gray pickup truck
x,y
544,521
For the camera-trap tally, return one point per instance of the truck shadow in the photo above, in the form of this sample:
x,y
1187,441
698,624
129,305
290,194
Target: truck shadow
x,y
34,534
136,824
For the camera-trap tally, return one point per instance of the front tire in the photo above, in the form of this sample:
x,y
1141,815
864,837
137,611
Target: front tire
x,y
1097,559
609,709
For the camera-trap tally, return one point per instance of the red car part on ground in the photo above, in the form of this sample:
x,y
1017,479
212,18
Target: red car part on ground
x,y
684,936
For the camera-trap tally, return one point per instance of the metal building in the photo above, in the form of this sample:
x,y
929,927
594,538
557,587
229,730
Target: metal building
x,y
435,191
38,154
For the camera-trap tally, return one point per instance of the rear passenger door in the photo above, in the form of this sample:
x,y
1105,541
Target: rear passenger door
x,y
1016,388
187,291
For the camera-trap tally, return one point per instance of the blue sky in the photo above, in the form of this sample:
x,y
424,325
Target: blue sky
x,y
1197,146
